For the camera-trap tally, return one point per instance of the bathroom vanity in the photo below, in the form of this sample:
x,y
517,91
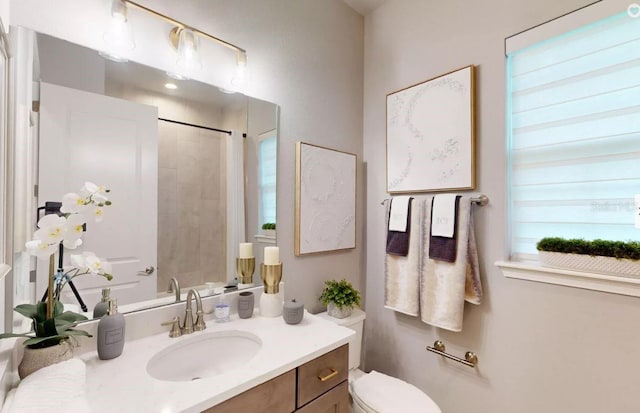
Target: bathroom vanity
x,y
300,368
319,385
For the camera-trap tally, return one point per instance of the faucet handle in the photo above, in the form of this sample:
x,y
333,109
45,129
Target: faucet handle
x,y
199,324
175,327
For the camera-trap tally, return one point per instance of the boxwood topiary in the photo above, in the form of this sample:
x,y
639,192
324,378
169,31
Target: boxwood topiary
x,y
617,249
341,293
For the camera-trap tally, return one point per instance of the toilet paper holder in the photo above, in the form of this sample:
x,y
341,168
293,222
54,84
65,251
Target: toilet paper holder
x,y
470,358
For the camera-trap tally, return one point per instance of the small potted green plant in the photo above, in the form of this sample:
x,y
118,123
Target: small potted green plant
x,y
269,229
340,297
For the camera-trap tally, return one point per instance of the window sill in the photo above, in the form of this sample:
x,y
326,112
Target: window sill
x,y
265,239
578,279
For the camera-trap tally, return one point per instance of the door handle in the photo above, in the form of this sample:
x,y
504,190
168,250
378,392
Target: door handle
x,y
147,271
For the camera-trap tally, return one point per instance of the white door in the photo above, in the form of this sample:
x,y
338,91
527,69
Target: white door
x,y
111,142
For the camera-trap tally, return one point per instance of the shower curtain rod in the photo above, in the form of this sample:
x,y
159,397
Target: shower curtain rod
x,y
228,132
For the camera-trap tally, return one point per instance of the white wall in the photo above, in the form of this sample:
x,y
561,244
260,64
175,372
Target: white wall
x,y
304,55
542,348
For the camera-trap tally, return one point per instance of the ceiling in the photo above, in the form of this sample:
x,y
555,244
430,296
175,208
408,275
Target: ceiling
x,y
364,7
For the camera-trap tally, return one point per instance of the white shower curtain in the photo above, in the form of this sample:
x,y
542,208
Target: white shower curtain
x,y
235,198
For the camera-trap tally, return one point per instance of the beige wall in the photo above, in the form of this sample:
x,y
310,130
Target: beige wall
x,y
542,348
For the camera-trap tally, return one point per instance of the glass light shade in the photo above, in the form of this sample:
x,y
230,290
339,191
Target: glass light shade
x,y
239,78
119,35
188,56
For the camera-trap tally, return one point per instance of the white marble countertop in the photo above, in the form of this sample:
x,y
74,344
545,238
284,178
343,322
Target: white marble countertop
x,y
123,384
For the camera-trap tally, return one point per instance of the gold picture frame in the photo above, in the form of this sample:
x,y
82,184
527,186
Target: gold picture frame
x,y
325,200
431,135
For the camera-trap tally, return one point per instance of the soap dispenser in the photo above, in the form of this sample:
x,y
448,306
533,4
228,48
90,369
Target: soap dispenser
x,y
103,306
111,333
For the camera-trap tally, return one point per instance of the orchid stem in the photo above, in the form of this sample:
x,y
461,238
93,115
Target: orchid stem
x,y
52,267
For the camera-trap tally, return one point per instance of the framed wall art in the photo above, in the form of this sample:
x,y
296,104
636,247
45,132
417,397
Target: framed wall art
x,y
430,135
325,200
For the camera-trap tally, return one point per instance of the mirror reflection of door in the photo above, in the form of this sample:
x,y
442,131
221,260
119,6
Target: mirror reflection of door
x,y
89,137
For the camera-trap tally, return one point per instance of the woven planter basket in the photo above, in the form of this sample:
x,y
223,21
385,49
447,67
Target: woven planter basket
x,y
598,264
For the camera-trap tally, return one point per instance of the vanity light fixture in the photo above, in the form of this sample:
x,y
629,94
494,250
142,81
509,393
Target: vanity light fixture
x,y
185,39
119,35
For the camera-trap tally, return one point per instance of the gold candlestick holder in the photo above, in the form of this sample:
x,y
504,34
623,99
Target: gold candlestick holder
x,y
245,268
271,276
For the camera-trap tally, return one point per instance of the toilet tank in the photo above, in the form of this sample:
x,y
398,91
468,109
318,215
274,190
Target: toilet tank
x,y
356,323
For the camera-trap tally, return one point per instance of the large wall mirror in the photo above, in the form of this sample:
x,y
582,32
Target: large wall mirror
x,y
191,169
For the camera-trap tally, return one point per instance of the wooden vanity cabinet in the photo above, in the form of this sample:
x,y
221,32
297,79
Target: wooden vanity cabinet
x,y
318,386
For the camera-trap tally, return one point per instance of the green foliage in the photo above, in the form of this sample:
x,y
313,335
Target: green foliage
x,y
48,332
269,225
617,249
341,293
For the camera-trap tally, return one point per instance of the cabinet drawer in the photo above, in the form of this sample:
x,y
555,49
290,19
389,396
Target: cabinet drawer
x,y
333,401
322,374
275,396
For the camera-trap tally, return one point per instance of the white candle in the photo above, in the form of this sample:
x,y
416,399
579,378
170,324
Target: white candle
x,y
271,255
246,250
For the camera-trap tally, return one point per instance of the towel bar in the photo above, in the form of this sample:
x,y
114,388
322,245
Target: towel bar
x,y
481,200
470,358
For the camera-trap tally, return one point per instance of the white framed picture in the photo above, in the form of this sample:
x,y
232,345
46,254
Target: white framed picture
x,y
325,200
430,135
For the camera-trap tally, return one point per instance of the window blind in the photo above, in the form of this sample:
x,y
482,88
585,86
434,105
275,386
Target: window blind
x,y
573,126
267,158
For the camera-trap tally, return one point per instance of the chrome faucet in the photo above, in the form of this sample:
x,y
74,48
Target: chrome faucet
x,y
174,285
189,326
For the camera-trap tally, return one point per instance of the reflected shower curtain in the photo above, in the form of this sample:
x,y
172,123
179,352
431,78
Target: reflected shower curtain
x,y
235,198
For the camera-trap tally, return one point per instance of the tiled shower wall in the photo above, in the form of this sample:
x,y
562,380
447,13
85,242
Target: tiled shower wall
x,y
191,189
191,205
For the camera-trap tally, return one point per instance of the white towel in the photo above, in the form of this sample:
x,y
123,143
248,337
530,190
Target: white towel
x,y
397,396
59,387
443,217
399,212
444,286
402,273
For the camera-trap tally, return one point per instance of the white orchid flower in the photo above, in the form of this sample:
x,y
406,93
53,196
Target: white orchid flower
x,y
92,190
79,261
72,203
89,188
73,230
94,213
97,265
40,249
51,229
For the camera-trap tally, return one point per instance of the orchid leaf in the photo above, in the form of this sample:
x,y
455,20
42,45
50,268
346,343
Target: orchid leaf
x,y
70,317
8,335
38,340
27,310
71,332
49,328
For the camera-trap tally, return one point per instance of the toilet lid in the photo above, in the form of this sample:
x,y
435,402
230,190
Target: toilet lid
x,y
378,392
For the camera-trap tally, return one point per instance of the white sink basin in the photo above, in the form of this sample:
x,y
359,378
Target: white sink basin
x,y
203,354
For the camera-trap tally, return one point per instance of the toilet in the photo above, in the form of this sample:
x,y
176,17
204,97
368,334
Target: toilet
x,y
375,392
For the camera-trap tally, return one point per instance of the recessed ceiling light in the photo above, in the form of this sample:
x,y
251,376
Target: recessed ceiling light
x,y
113,57
171,86
176,76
